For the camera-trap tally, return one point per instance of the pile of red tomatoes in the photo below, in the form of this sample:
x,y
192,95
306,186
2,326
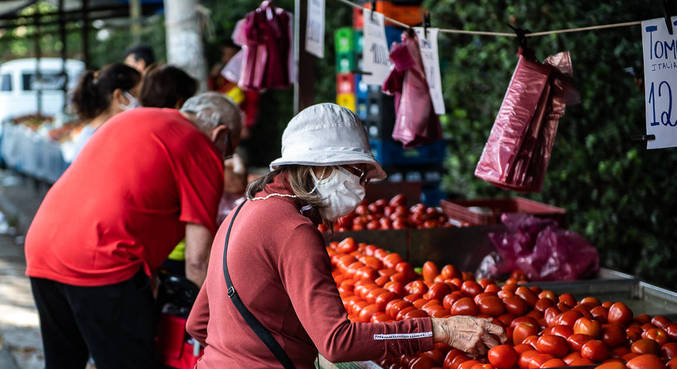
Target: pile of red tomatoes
x,y
393,214
545,330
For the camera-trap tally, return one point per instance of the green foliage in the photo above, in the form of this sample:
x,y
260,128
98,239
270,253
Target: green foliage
x,y
618,195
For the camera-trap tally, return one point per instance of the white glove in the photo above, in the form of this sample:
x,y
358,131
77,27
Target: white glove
x,y
474,336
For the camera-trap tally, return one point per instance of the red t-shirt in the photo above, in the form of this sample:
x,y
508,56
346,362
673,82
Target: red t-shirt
x,y
125,200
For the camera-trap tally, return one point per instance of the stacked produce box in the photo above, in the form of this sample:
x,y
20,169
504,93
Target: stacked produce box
x,y
377,110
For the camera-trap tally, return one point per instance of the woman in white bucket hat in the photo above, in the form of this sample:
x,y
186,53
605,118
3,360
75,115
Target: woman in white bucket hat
x,y
275,304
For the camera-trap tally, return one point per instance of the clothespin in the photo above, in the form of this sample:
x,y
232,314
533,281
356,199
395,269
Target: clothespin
x,y
373,9
426,23
643,138
521,36
667,12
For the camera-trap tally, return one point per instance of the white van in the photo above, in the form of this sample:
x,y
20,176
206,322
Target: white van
x,y
18,86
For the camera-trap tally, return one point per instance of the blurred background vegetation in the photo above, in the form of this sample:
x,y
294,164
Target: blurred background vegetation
x,y
617,194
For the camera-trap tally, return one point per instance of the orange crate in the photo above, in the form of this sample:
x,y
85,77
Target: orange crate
x,y
488,211
410,15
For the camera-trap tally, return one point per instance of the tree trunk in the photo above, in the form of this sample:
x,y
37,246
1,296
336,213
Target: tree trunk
x,y
184,39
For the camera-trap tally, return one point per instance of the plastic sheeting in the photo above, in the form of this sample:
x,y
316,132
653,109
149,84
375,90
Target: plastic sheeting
x,y
416,122
28,152
518,150
542,250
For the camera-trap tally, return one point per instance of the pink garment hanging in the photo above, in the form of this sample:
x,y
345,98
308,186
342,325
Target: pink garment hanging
x,y
265,36
518,150
416,122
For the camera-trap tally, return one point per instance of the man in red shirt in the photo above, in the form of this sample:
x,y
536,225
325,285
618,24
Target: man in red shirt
x,y
145,180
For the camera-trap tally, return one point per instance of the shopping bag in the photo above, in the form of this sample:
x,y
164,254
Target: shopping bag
x,y
518,150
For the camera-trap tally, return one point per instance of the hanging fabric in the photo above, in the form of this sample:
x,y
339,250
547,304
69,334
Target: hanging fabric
x,y
517,152
416,122
265,35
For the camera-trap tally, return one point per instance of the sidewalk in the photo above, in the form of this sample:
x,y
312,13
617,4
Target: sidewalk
x,y
21,346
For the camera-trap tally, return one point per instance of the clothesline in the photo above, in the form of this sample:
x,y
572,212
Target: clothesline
x,y
506,34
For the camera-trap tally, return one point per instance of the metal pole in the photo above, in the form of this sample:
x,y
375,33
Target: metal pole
x,y
184,39
85,33
304,88
135,15
64,55
37,78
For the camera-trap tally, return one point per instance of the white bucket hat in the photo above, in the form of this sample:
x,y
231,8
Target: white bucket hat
x,y
326,135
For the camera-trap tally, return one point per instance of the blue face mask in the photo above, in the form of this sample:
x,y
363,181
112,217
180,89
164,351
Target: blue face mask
x,y
133,102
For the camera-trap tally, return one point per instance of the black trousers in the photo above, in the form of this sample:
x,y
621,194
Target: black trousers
x,y
115,324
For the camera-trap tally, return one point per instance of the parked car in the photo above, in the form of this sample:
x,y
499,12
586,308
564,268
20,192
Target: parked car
x,y
18,86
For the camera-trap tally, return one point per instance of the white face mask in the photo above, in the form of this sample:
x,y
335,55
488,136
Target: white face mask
x,y
341,191
133,102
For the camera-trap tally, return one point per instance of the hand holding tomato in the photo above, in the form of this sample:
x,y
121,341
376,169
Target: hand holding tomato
x,y
472,335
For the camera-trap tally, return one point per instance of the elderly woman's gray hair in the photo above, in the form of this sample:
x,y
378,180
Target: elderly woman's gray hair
x,y
214,109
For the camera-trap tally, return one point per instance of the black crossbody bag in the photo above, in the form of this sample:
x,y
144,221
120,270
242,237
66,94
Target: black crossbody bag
x,y
251,320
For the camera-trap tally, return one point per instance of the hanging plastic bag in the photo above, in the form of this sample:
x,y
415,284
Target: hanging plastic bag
x,y
517,152
266,39
416,122
542,250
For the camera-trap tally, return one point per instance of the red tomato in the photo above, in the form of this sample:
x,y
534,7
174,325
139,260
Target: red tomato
x,y
482,366
660,321
402,314
515,305
568,318
646,361
567,299
422,362
581,361
419,303
449,272
620,314
522,331
471,288
594,350
395,306
547,294
633,332
538,360
490,305
657,335
415,287
437,291
611,365
373,294
671,330
416,313
379,318
392,259
613,335
502,356
413,297
553,363
384,298
367,312
591,302
554,345
571,357
600,313
455,361
645,346
449,299
531,341
669,350
382,280
562,331
550,315
395,287
543,304
436,355
525,358
398,200
576,341
522,348
347,246
586,326
527,295
468,364
619,351
464,306
429,271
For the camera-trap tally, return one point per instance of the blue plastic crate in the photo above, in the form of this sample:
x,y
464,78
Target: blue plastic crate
x,y
432,197
361,88
388,152
393,34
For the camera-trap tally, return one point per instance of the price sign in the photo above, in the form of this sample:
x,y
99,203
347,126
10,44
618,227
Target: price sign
x,y
375,57
431,65
315,28
660,82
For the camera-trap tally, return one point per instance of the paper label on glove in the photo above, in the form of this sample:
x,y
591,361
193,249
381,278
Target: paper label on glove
x,y
660,79
375,60
315,28
431,65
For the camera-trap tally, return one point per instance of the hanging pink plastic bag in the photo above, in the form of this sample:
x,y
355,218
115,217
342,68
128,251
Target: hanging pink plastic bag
x,y
416,122
542,250
517,152
265,36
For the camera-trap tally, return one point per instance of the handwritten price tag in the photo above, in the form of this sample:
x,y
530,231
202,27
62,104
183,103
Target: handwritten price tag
x,y
660,80
375,49
315,28
431,65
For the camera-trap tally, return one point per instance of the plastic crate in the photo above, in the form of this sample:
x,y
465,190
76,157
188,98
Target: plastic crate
x,y
361,107
408,14
359,37
346,100
488,211
344,40
358,18
345,83
345,62
389,152
393,34
361,88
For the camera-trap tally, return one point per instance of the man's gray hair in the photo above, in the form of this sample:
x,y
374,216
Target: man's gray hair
x,y
214,109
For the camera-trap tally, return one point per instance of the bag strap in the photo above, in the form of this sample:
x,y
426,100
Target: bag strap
x,y
251,320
